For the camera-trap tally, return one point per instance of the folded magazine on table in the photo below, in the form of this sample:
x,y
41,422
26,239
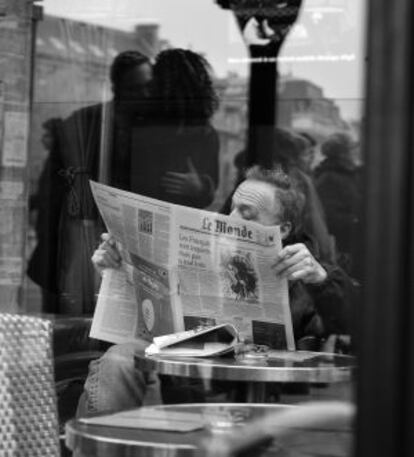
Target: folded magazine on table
x,y
183,268
204,342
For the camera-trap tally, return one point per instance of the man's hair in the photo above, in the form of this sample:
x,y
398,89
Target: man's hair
x,y
124,62
183,85
292,201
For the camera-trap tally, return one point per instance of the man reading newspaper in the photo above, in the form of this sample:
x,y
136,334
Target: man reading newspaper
x,y
318,292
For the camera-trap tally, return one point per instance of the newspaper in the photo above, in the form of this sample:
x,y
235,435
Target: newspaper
x,y
183,268
205,342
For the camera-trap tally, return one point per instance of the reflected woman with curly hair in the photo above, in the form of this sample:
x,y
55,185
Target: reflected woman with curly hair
x,y
183,87
175,150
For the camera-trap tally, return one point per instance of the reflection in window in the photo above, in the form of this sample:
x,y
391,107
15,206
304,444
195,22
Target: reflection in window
x,y
147,100
73,71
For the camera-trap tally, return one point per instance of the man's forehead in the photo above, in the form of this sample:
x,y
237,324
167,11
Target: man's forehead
x,y
257,193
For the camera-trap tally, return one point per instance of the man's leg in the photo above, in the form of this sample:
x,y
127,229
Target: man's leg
x,y
114,384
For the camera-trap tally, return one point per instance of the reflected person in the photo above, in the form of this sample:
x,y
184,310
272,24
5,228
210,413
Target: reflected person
x,y
318,291
45,203
288,150
93,144
175,150
338,183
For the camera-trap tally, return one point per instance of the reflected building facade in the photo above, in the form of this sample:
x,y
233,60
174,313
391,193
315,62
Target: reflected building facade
x,y
303,106
72,61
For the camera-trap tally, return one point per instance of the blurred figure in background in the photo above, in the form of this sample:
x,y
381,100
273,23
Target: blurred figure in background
x,y
175,149
95,145
293,153
46,203
289,152
154,139
337,180
307,155
92,143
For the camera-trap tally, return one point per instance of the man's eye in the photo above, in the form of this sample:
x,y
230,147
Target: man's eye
x,y
249,215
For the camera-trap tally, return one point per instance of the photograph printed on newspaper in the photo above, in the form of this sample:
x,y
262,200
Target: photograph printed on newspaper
x,y
184,267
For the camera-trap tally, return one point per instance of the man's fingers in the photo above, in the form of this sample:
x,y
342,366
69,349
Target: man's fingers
x,y
107,254
106,237
107,240
111,249
290,250
299,270
102,259
281,265
307,269
114,254
107,257
300,274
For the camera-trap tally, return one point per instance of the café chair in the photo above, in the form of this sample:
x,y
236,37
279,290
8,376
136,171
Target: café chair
x,y
28,421
311,429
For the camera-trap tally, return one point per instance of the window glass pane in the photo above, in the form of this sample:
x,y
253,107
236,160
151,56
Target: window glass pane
x,y
86,127
176,100
99,116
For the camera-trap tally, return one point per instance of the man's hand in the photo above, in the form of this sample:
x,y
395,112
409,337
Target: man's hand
x,y
183,184
107,254
296,262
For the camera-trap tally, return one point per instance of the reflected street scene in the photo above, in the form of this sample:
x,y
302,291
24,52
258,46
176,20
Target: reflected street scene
x,y
184,192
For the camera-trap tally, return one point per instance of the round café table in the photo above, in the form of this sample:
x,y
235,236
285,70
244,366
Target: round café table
x,y
89,440
256,370
219,421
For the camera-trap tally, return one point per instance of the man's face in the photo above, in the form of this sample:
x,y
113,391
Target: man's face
x,y
134,84
256,201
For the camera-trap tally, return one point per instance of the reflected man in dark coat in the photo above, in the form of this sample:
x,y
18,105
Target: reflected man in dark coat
x,y
338,184
92,143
